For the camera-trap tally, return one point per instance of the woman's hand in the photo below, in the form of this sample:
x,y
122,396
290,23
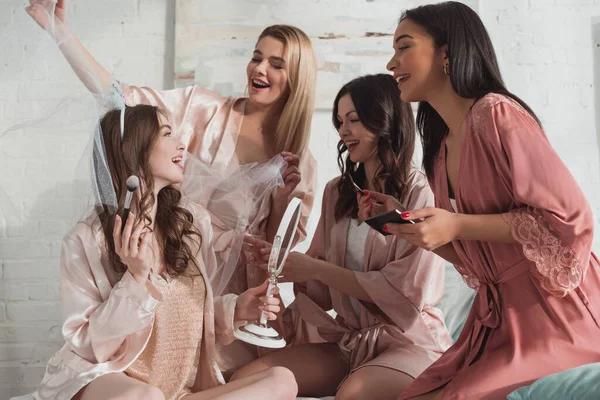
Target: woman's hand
x,y
373,203
298,266
254,301
47,14
434,227
257,251
132,246
291,175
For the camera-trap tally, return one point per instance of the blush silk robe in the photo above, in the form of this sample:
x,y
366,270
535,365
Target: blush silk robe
x,y
402,328
537,308
108,319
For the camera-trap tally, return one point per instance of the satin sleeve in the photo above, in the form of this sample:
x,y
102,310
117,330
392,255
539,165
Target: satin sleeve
x,y
96,328
552,219
190,109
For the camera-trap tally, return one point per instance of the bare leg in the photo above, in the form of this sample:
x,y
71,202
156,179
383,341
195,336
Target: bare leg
x,y
274,383
433,395
374,383
318,368
118,387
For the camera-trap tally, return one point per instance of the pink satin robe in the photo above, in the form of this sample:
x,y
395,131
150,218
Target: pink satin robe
x,y
402,329
209,125
108,321
537,308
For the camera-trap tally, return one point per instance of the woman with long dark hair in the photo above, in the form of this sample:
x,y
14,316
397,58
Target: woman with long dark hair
x,y
384,290
508,214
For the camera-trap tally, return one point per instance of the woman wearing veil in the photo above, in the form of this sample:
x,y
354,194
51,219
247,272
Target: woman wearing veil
x,y
140,318
223,132
229,134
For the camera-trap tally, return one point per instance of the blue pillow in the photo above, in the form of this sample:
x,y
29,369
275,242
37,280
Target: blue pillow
x,y
456,302
580,383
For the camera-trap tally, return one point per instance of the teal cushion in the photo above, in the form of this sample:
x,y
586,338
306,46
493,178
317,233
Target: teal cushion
x,y
456,302
580,383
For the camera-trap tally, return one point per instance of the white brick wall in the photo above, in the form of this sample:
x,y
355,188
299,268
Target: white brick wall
x,y
552,71
128,37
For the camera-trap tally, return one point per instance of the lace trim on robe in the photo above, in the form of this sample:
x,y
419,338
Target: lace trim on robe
x,y
470,279
556,265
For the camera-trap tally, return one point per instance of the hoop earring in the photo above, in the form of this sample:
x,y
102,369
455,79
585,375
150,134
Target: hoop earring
x,y
446,70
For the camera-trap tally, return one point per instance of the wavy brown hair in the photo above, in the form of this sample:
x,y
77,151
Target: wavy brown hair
x,y
377,102
130,156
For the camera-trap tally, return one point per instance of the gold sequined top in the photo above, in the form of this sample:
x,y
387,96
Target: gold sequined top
x,y
170,359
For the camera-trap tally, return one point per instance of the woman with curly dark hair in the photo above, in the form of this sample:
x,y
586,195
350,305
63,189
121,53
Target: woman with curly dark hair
x,y
384,290
140,317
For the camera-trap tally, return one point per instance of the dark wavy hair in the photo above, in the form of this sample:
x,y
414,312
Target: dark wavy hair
x,y
377,102
473,66
131,156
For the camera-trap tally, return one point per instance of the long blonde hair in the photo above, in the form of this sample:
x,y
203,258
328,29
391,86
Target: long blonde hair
x,y
293,128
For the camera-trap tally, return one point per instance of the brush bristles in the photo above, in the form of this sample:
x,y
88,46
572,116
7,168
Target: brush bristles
x,y
133,182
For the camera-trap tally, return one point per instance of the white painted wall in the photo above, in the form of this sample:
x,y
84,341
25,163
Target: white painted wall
x,y
546,50
37,166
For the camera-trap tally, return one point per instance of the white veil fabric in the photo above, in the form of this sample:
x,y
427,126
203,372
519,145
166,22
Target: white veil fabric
x,y
73,163
231,195
52,119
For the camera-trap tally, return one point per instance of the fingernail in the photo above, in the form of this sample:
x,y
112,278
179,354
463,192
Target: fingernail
x,y
385,228
405,215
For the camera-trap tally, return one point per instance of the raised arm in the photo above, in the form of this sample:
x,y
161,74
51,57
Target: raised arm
x,y
51,17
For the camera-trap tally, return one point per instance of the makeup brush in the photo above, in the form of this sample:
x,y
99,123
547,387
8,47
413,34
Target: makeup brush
x,y
133,182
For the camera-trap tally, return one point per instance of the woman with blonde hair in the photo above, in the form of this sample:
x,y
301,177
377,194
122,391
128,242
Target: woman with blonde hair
x,y
229,132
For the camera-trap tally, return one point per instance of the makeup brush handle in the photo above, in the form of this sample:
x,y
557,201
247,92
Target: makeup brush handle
x,y
124,217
